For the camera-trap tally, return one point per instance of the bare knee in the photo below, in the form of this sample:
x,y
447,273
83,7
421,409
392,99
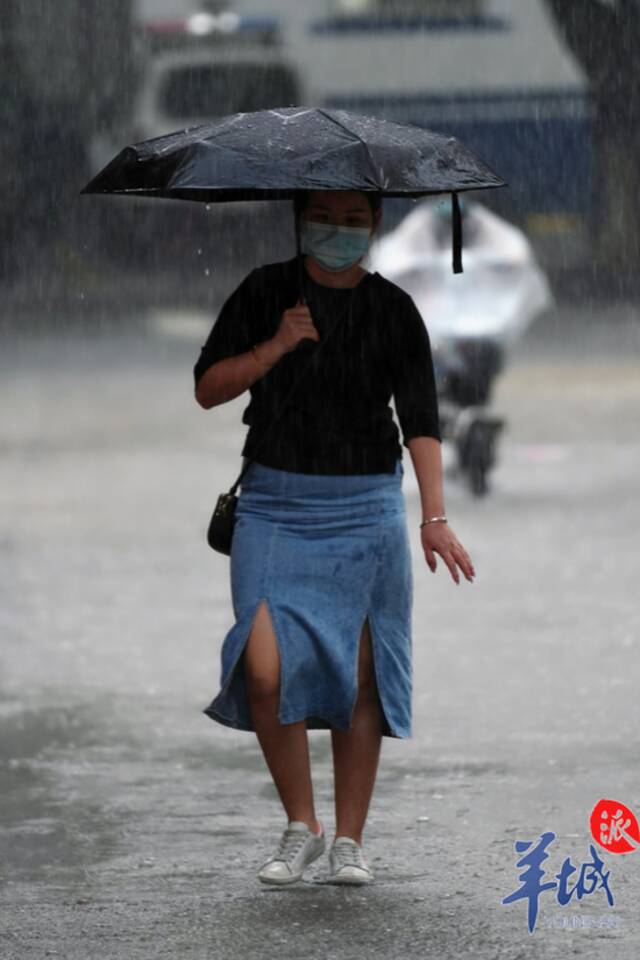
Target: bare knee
x,y
262,660
262,689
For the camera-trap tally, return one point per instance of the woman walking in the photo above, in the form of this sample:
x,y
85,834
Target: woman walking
x,y
321,574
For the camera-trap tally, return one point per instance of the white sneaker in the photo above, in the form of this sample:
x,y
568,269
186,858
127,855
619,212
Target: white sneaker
x,y
347,862
298,847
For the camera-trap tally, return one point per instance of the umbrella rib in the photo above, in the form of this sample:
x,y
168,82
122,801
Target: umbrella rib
x,y
352,132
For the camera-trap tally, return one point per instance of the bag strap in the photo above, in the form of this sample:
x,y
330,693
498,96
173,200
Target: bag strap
x,y
285,403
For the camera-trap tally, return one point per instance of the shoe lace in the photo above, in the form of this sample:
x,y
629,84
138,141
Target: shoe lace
x,y
290,843
348,855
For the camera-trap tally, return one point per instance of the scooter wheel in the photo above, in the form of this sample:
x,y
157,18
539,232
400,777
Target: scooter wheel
x,y
478,479
478,456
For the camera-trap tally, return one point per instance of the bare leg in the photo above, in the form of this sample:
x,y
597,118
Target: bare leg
x,y
356,751
285,746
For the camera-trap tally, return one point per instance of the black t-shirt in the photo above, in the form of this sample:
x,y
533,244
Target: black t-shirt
x,y
338,420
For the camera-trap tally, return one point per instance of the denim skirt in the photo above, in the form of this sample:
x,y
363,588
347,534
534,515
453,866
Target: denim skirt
x,y
325,552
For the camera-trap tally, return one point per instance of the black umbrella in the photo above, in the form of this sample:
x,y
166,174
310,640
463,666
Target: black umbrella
x,y
273,154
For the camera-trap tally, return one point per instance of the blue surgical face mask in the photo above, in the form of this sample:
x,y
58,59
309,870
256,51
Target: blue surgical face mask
x,y
334,248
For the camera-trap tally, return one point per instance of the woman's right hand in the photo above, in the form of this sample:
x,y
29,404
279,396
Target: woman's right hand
x,y
296,325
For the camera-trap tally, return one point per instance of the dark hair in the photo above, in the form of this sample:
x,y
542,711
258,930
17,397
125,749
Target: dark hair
x,y
301,201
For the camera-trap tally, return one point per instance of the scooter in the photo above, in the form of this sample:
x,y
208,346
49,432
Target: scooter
x,y
464,378
472,318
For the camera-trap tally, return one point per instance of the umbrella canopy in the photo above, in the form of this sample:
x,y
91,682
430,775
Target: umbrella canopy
x,y
273,154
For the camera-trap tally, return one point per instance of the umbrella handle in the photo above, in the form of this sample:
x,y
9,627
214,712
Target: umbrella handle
x,y
299,259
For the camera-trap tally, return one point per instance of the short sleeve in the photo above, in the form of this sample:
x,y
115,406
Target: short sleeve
x,y
235,329
413,376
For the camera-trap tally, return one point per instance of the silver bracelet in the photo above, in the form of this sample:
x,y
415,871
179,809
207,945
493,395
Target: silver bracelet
x,y
433,520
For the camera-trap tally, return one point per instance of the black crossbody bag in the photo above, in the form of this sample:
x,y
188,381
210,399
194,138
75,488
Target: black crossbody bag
x,y
221,525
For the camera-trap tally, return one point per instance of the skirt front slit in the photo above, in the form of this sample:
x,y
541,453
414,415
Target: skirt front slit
x,y
325,553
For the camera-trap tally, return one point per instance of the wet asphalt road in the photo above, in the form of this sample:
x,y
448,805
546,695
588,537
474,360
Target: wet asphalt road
x,y
132,825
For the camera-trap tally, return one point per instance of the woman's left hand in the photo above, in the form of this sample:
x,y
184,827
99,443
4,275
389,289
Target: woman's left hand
x,y
439,538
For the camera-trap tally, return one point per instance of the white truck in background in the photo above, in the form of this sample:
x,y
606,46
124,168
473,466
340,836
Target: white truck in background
x,y
192,70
